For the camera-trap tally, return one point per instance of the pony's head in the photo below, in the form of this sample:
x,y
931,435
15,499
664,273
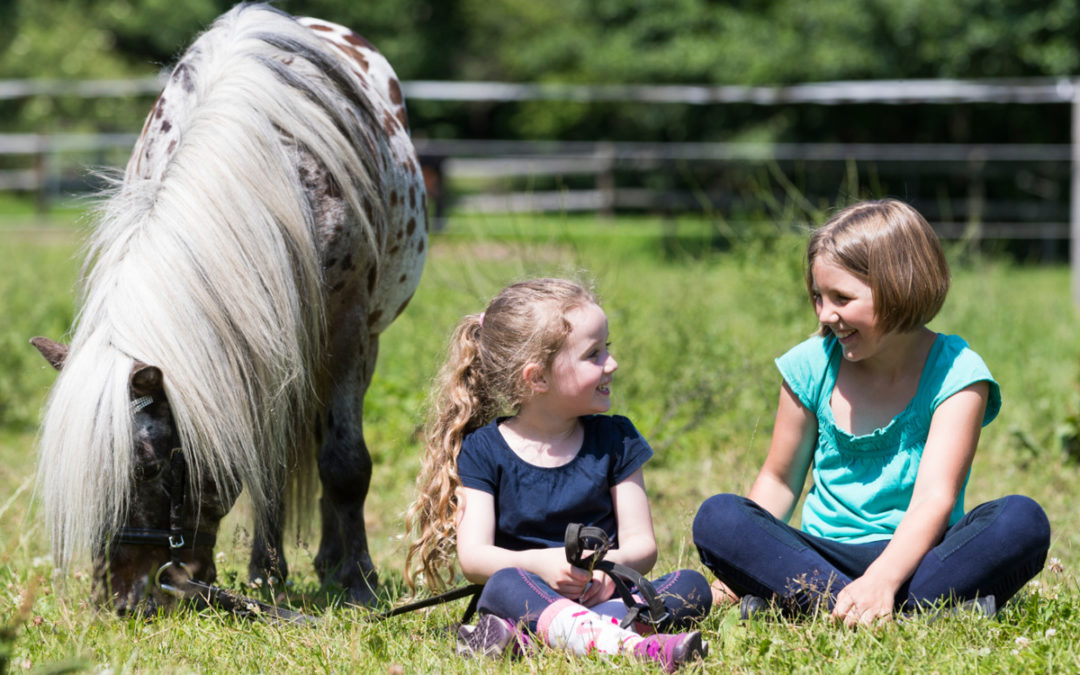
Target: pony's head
x,y
158,533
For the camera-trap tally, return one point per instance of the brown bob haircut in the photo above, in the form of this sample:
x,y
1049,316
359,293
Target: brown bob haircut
x,y
890,247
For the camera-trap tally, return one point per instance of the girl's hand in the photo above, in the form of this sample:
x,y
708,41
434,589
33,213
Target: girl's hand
x,y
600,590
865,601
566,579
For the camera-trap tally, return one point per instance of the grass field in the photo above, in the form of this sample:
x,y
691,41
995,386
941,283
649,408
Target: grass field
x,y
695,324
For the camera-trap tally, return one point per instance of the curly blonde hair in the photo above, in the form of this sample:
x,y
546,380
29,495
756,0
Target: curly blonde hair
x,y
481,378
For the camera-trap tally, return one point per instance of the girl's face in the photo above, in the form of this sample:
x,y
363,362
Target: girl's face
x,y
582,371
845,305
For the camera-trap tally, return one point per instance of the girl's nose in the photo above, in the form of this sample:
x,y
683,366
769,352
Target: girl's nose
x,y
612,365
826,312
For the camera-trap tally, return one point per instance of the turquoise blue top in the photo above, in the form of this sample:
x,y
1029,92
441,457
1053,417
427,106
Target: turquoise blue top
x,y
863,484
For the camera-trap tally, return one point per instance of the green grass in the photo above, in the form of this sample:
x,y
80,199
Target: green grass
x,y
695,324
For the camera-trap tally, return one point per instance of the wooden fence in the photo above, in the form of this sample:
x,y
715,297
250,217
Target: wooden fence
x,y
495,164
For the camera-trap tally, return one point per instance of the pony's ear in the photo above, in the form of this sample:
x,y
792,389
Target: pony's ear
x,y
54,352
146,380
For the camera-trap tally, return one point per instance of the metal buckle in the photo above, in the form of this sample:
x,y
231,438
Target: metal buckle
x,y
169,588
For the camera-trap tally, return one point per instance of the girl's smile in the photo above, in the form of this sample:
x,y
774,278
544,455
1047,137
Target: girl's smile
x,y
845,305
583,369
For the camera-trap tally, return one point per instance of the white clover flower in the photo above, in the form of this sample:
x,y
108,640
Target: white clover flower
x,y
220,557
1054,565
1050,632
1022,642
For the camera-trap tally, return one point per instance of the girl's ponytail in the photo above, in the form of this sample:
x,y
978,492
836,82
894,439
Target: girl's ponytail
x,y
461,404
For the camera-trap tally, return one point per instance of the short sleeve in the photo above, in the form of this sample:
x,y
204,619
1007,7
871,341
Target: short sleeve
x,y
804,368
475,465
960,367
633,450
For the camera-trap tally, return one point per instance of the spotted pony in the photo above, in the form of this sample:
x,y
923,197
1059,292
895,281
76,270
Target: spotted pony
x,y
269,226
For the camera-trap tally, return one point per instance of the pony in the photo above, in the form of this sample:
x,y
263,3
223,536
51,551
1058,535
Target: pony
x,y
269,225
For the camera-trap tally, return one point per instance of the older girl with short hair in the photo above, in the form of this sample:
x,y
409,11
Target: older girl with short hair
x,y
885,414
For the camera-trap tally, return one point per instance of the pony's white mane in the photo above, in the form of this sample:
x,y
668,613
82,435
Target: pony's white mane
x,y
211,274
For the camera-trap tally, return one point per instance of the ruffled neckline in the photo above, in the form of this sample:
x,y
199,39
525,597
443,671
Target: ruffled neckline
x,y
882,439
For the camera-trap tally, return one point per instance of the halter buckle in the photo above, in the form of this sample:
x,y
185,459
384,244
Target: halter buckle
x,y
169,588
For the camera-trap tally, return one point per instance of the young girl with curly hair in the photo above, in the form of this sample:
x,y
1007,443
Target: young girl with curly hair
x,y
501,490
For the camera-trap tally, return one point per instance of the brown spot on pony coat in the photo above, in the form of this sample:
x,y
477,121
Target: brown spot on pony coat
x,y
360,41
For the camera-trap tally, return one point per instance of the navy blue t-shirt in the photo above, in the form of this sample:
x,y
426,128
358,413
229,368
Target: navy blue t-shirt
x,y
534,504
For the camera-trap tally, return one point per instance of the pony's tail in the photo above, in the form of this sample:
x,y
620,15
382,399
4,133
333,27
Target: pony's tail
x,y
461,404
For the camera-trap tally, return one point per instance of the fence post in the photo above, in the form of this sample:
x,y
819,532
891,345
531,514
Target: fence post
x,y
1074,198
605,179
41,173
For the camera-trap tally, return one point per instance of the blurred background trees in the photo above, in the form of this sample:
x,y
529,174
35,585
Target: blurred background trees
x,y
710,42
594,41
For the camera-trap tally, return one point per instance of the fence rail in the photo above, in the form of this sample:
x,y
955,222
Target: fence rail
x,y
466,161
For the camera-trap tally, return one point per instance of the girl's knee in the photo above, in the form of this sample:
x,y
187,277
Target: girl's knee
x,y
715,515
503,580
699,597
686,596
499,586
687,585
1028,519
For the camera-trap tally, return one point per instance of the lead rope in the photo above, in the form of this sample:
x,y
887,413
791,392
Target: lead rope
x,y
578,539
581,538
186,587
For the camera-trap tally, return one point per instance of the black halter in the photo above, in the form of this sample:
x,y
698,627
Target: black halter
x,y
581,538
176,538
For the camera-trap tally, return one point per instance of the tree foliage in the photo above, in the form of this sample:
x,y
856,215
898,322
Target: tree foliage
x,y
575,41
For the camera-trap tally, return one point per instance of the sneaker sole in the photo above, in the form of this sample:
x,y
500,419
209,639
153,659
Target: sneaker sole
x,y
692,649
489,638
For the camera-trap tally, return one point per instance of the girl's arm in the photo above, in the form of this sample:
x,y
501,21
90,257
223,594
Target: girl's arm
x,y
780,481
950,447
479,557
637,542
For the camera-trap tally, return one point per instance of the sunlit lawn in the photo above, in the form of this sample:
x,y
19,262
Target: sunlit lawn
x,y
695,329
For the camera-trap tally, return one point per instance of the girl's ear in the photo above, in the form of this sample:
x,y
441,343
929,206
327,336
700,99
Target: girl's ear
x,y
535,377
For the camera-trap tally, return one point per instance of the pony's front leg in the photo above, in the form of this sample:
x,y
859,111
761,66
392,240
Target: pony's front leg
x,y
345,472
267,550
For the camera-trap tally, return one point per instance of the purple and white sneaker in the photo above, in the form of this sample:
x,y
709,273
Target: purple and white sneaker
x,y
491,637
672,650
